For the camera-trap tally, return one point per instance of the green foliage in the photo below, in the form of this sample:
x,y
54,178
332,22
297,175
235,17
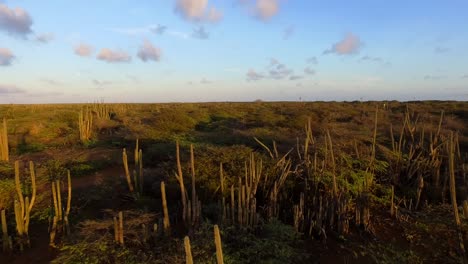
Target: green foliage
x,y
95,252
55,169
7,193
29,148
275,243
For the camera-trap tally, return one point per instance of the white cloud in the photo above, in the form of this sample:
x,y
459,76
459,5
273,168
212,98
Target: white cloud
x,y
15,21
288,32
266,9
83,50
148,52
159,29
350,44
198,11
113,56
200,33
6,57
45,37
11,89
295,77
309,71
252,75
312,60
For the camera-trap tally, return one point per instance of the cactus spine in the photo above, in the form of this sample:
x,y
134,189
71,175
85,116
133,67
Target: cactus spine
x,y
4,154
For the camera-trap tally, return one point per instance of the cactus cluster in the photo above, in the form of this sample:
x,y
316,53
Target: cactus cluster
x,y
135,185
23,205
60,219
85,125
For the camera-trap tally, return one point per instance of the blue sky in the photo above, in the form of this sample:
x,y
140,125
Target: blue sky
x,y
232,50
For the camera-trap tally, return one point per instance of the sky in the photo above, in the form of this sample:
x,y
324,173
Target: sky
x,y
62,51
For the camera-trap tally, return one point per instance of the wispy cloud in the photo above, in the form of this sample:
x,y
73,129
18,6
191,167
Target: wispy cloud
x,y
50,81
278,70
113,56
178,34
6,57
465,76
159,29
101,83
16,22
45,37
197,11
370,58
200,33
288,32
350,44
148,52
11,89
295,77
273,61
140,31
440,49
434,77
309,71
312,60
252,75
83,50
133,78
205,81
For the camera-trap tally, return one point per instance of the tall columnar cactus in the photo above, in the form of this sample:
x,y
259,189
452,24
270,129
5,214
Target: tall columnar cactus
x,y
119,229
6,240
60,221
4,152
180,179
219,248
23,206
188,251
167,224
135,185
85,125
127,171
453,194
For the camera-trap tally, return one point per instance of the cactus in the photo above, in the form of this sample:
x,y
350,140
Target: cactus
x,y
453,194
4,154
219,248
121,229
116,230
61,216
127,171
85,125
23,206
167,224
5,238
188,251
180,179
137,172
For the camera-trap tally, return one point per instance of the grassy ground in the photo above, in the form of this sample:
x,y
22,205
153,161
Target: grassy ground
x,y
224,133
